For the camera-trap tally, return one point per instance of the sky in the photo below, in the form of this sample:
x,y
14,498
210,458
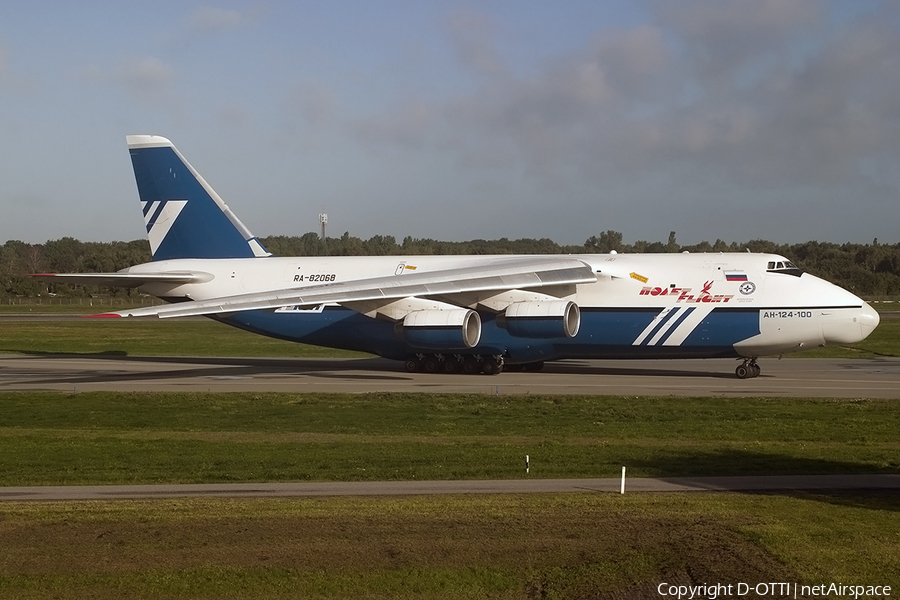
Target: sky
x,y
459,120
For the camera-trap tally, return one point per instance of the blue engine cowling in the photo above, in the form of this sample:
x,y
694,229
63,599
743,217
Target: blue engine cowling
x,y
442,330
542,320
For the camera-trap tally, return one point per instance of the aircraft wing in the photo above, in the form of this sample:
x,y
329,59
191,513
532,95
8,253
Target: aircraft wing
x,y
503,274
121,278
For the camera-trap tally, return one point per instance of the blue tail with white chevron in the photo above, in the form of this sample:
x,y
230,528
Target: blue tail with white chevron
x,y
185,217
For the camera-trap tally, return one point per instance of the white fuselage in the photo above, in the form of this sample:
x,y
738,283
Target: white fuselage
x,y
654,303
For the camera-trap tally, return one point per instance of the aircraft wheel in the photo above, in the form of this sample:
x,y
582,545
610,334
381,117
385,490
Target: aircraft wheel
x,y
451,366
469,365
413,364
743,372
756,370
491,367
431,364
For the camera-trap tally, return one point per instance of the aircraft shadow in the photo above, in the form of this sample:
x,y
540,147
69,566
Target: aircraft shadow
x,y
216,368
851,486
639,370
331,368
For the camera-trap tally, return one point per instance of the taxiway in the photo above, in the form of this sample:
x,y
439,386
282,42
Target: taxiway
x,y
777,483
793,377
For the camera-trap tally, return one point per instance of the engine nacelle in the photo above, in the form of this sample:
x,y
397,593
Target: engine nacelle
x,y
444,330
544,320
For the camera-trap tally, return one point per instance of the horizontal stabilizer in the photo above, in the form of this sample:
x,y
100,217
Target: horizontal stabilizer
x,y
123,279
504,274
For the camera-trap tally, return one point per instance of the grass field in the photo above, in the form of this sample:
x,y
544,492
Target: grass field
x,y
507,546
106,437
151,337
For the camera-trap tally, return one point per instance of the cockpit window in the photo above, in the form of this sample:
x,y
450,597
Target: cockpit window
x,y
786,267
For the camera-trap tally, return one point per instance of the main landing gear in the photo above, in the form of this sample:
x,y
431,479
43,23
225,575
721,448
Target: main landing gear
x,y
748,370
471,364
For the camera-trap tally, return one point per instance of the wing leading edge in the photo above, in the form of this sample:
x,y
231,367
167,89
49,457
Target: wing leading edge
x,y
511,274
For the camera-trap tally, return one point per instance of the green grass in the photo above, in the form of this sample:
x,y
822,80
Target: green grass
x,y
151,337
505,546
106,437
588,545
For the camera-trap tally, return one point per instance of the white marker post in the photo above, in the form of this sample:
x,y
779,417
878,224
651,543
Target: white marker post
x,y
622,490
527,464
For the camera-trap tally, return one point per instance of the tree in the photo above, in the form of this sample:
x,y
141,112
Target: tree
x,y
672,245
608,241
866,269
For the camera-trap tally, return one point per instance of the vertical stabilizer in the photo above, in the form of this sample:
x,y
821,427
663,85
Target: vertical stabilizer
x,y
185,217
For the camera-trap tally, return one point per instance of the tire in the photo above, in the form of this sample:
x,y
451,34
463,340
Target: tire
x,y
469,366
743,371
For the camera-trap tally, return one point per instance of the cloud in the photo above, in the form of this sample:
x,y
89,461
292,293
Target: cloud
x,y
210,21
23,85
144,75
313,101
632,58
213,20
472,36
412,125
541,123
800,104
233,116
720,37
545,122
147,80
807,124
843,104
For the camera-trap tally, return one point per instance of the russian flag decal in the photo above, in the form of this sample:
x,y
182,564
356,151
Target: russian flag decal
x,y
735,276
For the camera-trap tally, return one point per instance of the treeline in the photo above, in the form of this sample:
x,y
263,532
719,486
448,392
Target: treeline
x,y
871,270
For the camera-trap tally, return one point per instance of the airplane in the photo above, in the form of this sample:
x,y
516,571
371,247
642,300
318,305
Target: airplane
x,y
470,314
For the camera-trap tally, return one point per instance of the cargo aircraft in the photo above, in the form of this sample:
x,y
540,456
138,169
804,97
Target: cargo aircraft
x,y
471,314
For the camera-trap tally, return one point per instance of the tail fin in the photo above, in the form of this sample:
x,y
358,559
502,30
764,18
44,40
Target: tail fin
x,y
185,217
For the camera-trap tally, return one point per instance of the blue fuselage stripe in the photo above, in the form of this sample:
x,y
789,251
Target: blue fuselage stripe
x,y
672,329
604,333
659,326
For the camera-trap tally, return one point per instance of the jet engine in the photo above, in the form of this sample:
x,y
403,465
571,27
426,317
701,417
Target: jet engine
x,y
543,319
444,330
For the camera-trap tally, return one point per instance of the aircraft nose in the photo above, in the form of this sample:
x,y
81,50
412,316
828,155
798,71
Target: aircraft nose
x,y
868,320
849,327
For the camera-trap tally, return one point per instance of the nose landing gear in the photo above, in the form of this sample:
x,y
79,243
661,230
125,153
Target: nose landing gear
x,y
748,370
